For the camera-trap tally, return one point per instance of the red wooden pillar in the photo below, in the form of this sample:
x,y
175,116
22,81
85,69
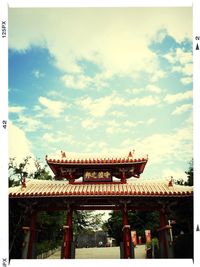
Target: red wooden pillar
x,y
68,235
72,179
123,176
31,245
126,234
163,235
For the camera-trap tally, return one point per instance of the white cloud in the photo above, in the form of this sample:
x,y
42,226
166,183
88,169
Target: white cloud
x,y
53,108
164,147
150,121
30,123
50,138
182,109
38,74
125,126
153,89
186,80
100,106
178,97
115,127
37,108
94,146
67,118
176,173
135,91
156,75
19,146
183,57
118,113
107,36
185,69
182,63
97,107
89,124
16,109
54,93
160,35
144,101
149,88
61,138
132,124
78,81
179,56
115,130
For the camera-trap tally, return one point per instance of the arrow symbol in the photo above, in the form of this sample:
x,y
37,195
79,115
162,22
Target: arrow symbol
x,y
198,229
197,47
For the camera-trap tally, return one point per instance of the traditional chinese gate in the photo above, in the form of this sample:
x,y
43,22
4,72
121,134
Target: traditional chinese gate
x,y
97,191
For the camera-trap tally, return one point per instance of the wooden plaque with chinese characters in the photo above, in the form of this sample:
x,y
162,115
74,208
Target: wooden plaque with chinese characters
x,y
97,176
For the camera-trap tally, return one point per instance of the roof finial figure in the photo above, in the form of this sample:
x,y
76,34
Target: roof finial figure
x,y
63,155
170,183
130,155
23,183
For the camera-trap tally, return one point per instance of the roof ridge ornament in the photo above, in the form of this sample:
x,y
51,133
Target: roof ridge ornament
x,y
63,154
170,182
23,183
130,155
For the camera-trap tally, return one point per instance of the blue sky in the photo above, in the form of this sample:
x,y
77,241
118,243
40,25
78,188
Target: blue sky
x,y
93,81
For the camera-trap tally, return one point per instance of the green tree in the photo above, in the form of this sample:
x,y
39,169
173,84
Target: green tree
x,y
17,219
80,222
138,220
17,172
86,222
41,173
114,225
189,173
49,230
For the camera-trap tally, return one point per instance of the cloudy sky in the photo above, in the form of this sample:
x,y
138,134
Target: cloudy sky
x,y
102,81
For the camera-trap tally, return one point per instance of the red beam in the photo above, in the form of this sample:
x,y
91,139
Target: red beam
x,y
100,207
96,208
98,182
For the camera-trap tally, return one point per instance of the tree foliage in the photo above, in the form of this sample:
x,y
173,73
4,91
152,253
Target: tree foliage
x,y
41,173
86,222
189,173
49,230
17,172
138,220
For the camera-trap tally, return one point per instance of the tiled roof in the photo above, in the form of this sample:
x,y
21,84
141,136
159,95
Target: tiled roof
x,y
46,188
66,168
98,160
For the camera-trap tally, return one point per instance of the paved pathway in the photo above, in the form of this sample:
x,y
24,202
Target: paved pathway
x,y
102,253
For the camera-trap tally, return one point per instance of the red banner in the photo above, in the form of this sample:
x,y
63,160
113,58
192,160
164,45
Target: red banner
x,y
134,237
148,235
